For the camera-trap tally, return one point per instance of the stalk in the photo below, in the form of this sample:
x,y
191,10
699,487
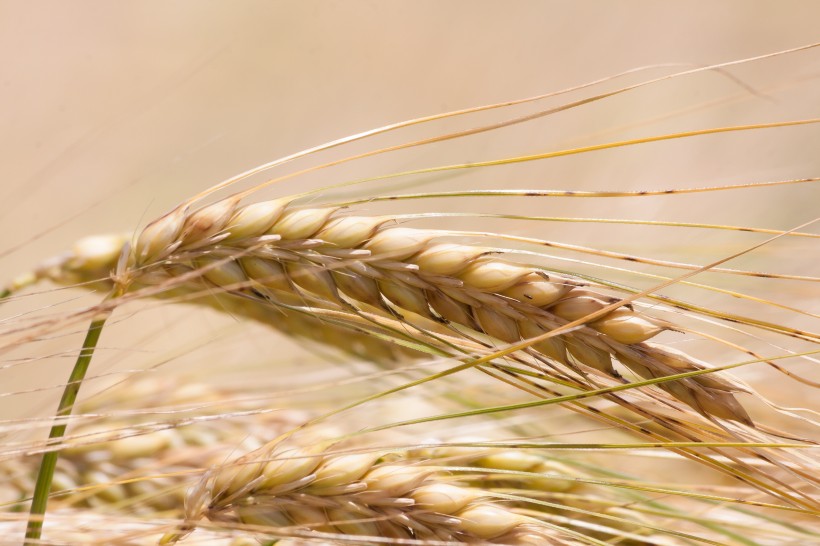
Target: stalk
x,y
45,474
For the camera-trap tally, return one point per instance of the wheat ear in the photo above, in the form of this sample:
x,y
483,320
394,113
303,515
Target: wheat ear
x,y
130,460
298,261
316,492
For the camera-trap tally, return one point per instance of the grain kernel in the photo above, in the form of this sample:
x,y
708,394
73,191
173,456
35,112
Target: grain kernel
x,y
446,259
627,328
444,498
486,521
301,223
350,231
255,219
398,243
492,276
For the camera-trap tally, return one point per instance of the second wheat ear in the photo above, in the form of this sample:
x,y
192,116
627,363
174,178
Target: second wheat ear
x,y
404,495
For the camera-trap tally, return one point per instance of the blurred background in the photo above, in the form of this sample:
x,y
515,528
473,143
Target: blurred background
x,y
113,112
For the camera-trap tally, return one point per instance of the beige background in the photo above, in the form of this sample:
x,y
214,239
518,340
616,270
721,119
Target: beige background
x,y
111,112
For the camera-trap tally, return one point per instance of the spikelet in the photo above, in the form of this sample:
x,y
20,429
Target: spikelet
x,y
253,219
161,237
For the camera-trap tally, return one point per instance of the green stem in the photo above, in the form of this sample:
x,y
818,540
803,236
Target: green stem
x,y
49,462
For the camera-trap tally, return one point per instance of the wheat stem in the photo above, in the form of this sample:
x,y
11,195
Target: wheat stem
x,y
45,474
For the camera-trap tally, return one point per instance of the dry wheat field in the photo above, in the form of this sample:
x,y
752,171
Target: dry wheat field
x,y
447,299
